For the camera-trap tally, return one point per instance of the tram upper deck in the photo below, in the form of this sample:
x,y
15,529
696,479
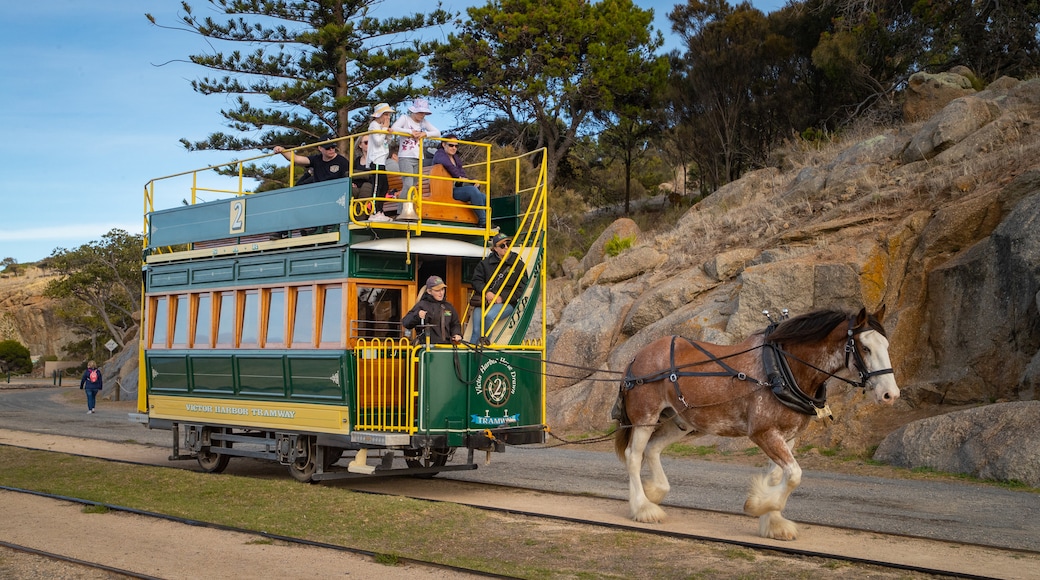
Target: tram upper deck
x,y
319,232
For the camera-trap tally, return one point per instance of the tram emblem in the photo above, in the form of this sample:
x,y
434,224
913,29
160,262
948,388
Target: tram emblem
x,y
496,381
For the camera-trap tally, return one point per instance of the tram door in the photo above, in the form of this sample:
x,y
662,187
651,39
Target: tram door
x,y
384,398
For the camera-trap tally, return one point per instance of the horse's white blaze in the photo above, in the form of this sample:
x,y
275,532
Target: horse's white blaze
x,y
874,348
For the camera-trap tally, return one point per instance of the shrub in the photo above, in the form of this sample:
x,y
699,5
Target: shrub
x,y
616,245
14,357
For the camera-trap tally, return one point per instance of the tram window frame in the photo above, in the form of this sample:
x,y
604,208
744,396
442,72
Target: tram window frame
x,y
180,316
226,318
159,310
248,310
296,318
340,317
266,312
202,302
405,287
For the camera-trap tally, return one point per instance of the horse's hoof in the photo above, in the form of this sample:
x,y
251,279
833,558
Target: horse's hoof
x,y
649,514
777,527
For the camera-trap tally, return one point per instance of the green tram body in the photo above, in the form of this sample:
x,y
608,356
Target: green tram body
x,y
260,338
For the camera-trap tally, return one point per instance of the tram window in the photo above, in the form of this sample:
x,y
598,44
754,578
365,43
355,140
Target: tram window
x,y
332,315
203,321
250,319
378,312
226,319
159,323
180,307
275,332
303,318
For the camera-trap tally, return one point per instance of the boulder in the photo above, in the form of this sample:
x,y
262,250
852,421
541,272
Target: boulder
x,y
928,93
661,300
630,263
726,265
984,325
999,441
622,228
956,121
588,329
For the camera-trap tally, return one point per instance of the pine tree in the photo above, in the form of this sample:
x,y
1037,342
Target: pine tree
x,y
314,64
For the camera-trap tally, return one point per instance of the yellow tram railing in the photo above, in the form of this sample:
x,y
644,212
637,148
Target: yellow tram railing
x,y
386,393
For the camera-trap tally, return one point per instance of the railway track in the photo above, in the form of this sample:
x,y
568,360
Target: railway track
x,y
417,568
900,553
53,564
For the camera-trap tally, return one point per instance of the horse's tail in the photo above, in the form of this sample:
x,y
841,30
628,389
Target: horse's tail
x,y
623,433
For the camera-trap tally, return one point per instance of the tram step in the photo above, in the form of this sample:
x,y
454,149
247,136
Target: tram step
x,y
380,438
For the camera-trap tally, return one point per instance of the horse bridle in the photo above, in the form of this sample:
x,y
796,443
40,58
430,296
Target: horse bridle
x,y
851,350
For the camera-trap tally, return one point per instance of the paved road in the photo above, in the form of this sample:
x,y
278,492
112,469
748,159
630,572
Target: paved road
x,y
960,512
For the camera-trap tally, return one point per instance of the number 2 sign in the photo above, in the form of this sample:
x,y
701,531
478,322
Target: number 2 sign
x,y
238,216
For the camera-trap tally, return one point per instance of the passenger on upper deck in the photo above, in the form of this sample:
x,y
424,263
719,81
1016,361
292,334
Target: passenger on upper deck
x,y
447,155
416,125
497,292
326,165
393,165
439,316
378,151
363,184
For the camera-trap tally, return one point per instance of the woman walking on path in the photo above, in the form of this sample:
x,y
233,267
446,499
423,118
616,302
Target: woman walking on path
x,y
91,381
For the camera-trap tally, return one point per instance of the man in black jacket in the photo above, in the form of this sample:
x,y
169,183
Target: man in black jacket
x,y
499,280
439,317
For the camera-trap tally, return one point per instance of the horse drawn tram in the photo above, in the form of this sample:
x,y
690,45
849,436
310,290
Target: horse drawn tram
x,y
272,321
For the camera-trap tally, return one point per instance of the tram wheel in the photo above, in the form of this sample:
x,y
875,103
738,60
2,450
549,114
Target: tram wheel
x,y
332,455
437,457
212,462
303,468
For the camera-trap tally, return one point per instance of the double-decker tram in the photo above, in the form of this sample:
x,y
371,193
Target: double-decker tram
x,y
272,321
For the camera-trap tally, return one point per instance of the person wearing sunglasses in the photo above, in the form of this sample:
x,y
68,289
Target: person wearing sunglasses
x,y
363,184
447,156
326,165
496,291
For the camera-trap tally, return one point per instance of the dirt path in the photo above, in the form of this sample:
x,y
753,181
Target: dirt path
x,y
165,549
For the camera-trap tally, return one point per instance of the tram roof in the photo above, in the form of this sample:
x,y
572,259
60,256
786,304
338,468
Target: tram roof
x,y
423,245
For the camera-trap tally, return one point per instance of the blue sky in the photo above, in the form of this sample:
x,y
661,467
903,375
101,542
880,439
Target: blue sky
x,y
87,118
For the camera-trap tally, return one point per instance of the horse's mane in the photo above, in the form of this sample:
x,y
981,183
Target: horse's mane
x,y
814,326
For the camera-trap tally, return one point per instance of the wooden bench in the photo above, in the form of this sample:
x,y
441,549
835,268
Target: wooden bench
x,y
439,191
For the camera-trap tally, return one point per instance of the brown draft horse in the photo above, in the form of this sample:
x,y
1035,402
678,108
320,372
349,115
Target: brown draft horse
x,y
675,387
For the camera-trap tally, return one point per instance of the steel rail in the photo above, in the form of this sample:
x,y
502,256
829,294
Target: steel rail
x,y
199,523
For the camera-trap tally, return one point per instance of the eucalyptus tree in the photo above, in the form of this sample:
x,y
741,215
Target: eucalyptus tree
x,y
728,65
312,64
103,280
549,66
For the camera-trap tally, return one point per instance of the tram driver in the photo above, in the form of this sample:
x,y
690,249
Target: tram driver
x,y
433,315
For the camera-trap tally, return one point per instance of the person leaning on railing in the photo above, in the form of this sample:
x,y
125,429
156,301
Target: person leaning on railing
x,y
447,156
325,166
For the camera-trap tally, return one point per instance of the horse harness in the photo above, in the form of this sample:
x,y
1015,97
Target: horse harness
x,y
673,373
780,379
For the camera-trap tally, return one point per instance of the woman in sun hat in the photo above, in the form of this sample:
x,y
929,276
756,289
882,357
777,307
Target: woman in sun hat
x,y
440,318
378,151
417,128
